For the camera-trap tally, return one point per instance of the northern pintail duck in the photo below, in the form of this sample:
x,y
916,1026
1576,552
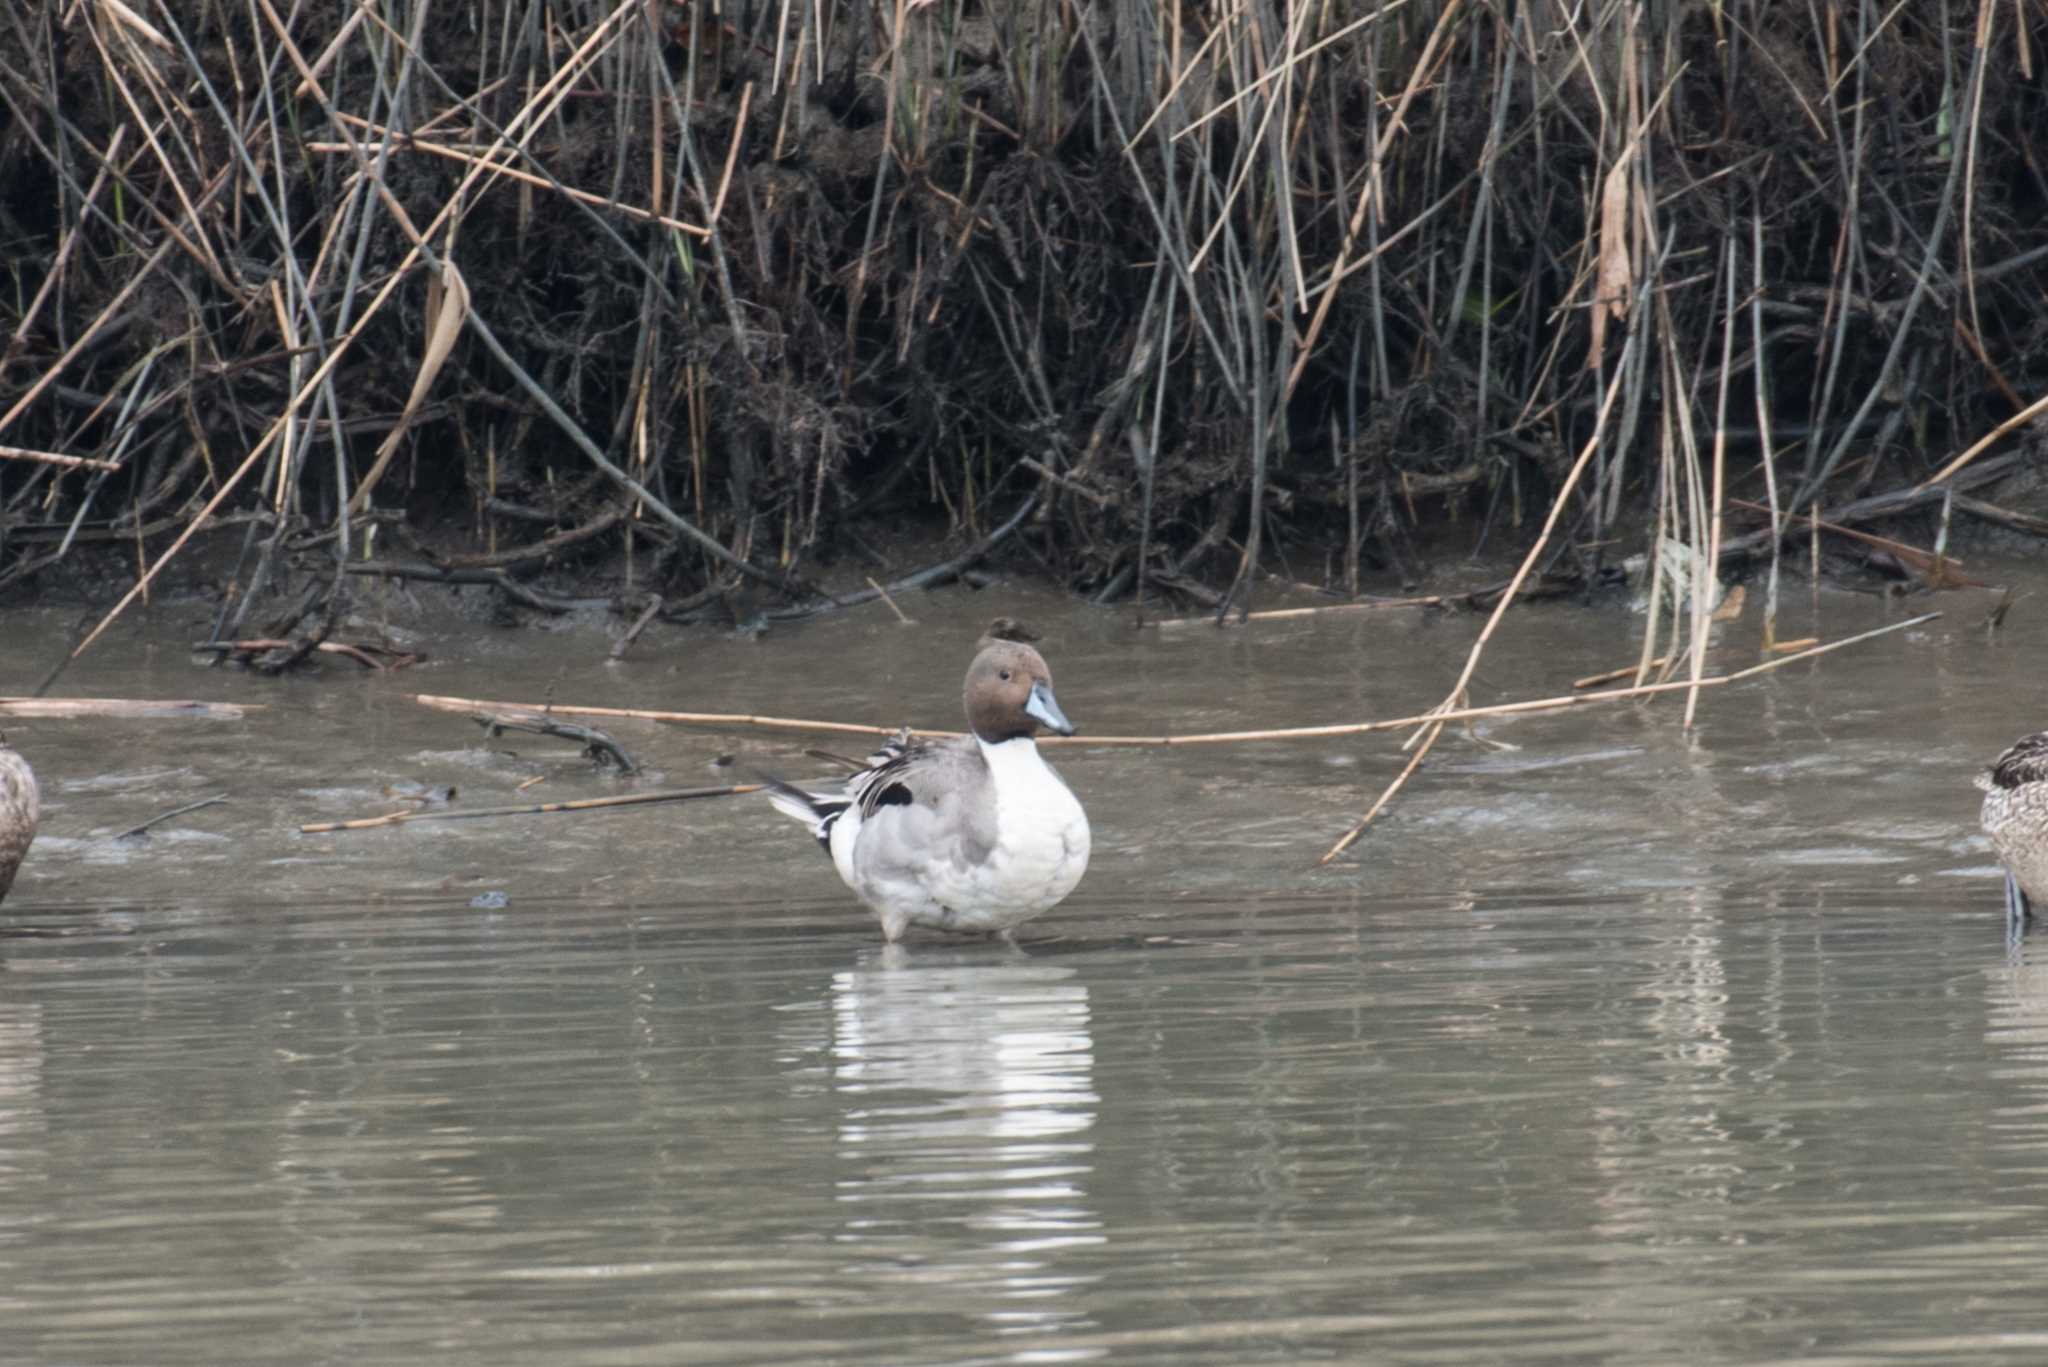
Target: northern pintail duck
x,y
20,808
2016,818
974,833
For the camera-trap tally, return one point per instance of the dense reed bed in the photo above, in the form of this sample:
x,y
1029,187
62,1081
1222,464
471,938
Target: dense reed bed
x,y
649,301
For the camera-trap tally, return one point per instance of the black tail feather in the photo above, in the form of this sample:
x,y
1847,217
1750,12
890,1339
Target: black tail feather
x,y
814,811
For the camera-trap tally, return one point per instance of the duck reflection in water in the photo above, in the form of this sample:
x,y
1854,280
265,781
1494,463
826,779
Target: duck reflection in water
x,y
966,1099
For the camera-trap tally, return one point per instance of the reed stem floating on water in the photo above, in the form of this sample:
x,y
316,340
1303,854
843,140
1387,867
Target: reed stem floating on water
x,y
756,721
1433,600
79,708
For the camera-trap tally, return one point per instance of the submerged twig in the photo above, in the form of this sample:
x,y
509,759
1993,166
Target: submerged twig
x,y
632,633
586,804
143,829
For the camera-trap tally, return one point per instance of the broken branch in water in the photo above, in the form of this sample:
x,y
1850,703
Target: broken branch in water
x,y
499,579
596,744
143,829
366,654
632,633
75,708
1939,571
586,804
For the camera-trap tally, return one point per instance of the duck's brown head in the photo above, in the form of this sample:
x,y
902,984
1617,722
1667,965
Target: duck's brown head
x,y
1009,693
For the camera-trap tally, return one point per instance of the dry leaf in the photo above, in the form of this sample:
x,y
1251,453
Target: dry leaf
x,y
448,300
1612,282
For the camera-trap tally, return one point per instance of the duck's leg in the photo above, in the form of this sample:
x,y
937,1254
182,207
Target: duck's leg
x,y
2018,909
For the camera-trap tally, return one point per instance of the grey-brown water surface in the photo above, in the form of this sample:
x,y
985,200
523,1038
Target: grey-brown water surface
x,y
1608,1043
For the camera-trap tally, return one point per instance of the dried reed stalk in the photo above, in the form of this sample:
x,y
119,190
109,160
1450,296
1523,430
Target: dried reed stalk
x,y
1289,614
73,709
756,721
1433,721
53,458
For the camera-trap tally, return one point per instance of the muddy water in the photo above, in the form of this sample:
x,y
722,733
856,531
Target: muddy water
x,y
1610,1043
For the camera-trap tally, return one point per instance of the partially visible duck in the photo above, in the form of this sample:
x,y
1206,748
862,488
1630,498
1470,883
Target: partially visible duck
x,y
975,833
20,809
2016,818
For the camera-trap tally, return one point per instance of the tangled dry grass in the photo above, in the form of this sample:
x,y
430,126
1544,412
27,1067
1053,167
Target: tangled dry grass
x,y
670,297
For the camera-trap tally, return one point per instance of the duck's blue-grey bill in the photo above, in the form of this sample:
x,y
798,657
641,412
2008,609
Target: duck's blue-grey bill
x,y
1041,705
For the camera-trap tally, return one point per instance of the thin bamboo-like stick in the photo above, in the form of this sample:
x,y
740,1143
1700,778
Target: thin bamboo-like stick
x,y
730,719
1610,675
582,804
1557,703
900,617
1282,614
1705,598
1761,391
52,458
75,708
1428,743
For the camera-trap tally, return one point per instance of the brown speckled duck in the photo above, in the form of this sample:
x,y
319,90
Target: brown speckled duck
x,y
2016,818
20,809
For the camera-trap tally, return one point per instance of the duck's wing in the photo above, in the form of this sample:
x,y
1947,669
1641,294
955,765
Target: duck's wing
x,y
904,771
877,782
931,802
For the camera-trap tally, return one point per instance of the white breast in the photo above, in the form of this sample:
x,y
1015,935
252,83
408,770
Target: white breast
x,y
1041,833
937,863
